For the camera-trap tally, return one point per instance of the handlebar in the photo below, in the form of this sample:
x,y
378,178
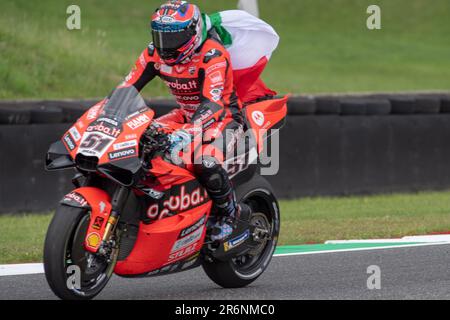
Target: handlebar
x,y
153,140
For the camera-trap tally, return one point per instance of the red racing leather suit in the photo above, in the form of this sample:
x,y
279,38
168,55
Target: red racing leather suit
x,y
204,90
203,87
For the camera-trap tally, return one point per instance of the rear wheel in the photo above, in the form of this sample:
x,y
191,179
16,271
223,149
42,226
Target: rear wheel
x,y
72,272
243,270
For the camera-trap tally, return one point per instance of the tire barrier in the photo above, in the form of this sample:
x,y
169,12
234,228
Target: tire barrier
x,y
10,114
66,111
330,146
46,114
445,105
25,185
327,106
350,155
302,106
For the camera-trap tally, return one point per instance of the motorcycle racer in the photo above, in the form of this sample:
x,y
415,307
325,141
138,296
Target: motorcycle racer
x,y
136,210
194,64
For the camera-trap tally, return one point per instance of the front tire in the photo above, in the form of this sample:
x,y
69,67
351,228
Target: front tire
x,y
258,194
64,248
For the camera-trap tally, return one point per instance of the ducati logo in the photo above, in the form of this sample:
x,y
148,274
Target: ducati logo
x,y
258,117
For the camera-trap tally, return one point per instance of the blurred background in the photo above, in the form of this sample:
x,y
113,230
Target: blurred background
x,y
325,46
364,153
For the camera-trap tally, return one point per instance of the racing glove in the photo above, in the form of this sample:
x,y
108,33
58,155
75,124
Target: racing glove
x,y
179,140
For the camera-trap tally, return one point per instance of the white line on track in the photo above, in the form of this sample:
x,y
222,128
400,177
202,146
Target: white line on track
x,y
38,268
361,249
421,239
21,269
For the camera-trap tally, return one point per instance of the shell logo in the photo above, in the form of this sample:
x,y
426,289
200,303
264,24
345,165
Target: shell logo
x,y
258,118
93,240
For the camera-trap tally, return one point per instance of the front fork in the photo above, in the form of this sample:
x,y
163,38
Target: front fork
x,y
118,203
104,215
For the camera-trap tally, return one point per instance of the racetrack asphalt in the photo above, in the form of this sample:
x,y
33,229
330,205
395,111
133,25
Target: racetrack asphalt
x,y
406,273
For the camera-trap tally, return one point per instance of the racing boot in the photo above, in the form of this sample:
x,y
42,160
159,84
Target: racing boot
x,y
228,213
215,180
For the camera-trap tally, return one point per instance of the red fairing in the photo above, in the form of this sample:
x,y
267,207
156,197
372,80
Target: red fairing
x,y
163,243
168,240
117,140
264,116
100,203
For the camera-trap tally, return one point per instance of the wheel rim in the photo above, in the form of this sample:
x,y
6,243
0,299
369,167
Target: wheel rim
x,y
263,232
95,271
254,263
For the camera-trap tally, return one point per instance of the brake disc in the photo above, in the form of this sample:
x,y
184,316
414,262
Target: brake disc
x,y
261,234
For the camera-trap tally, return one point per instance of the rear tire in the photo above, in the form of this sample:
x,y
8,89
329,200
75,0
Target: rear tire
x,y
64,248
258,194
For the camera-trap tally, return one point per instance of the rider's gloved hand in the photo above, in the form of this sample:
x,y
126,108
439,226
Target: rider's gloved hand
x,y
179,140
156,137
158,128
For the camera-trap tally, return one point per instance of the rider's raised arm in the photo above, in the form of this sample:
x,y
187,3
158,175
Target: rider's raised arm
x,y
144,69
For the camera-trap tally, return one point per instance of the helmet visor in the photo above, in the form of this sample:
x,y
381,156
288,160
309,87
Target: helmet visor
x,y
171,41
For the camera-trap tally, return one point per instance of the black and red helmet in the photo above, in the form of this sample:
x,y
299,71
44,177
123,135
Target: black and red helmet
x,y
177,31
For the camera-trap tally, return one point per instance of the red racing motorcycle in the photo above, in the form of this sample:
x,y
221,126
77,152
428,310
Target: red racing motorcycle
x,y
135,214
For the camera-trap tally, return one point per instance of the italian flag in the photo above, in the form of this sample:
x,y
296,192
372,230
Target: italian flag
x,y
250,42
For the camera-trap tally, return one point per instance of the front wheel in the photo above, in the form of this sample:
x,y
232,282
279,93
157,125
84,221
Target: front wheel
x,y
72,272
243,270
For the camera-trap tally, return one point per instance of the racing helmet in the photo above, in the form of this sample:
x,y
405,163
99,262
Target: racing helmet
x,y
177,31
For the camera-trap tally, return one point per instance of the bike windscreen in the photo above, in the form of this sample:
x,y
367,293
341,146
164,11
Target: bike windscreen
x,y
122,103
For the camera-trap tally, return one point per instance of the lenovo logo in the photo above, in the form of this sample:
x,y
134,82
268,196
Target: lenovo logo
x,y
122,154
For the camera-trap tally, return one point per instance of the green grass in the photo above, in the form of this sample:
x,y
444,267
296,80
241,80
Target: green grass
x,y
303,221
387,216
22,237
325,46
